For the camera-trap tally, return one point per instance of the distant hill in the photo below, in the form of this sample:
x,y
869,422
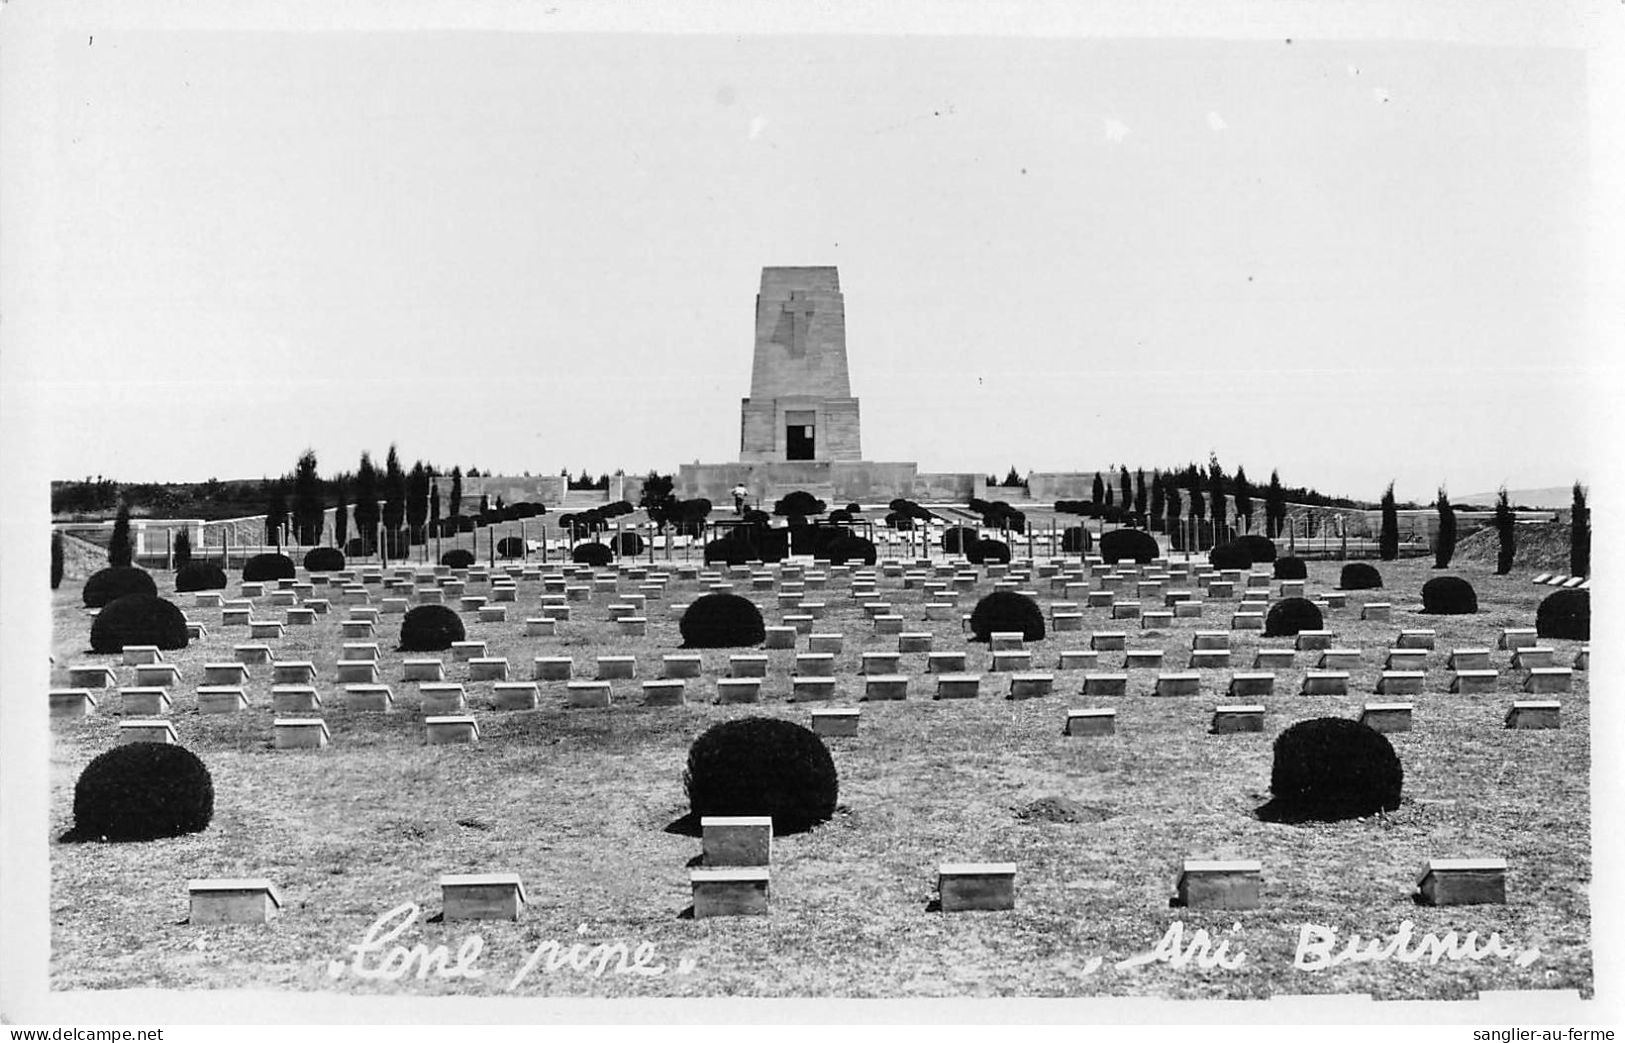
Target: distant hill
x,y
1552,497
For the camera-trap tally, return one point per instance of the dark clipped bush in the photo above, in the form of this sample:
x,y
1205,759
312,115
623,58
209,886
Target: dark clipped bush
x,y
844,549
762,766
1565,614
324,559
510,547
138,619
1448,596
722,621
116,582
199,575
1260,548
1006,611
142,791
840,517
958,538
595,554
430,628
1233,555
1130,544
356,548
266,568
629,544
727,552
1076,540
898,520
1291,568
1357,575
457,558
1290,615
988,552
1332,768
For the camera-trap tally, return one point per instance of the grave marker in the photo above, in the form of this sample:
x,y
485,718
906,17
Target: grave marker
x,y
295,698
146,731
369,698
1546,680
1090,722
1339,659
481,896
515,695
1463,881
738,891
300,733
664,692
1473,682
738,690
1325,682
221,699
1252,685
1211,884
878,687
1534,713
450,729
965,886
157,675
1387,717
958,686
1172,684
1105,684
443,699
736,840
1229,720
93,676
1400,682
1415,639
143,702
1376,611
838,722
224,901
72,702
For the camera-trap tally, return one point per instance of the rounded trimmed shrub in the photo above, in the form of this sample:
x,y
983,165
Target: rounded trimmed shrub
x,y
1132,544
1076,540
848,548
199,575
595,554
988,551
958,538
1291,568
138,619
117,582
1290,615
762,766
840,517
629,545
1331,768
1448,596
726,551
722,621
430,628
1357,575
266,568
324,559
1006,611
142,791
1232,555
466,523
1260,548
458,558
510,547
1565,614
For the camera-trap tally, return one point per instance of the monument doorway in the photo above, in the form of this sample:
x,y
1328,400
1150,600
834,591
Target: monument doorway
x,y
800,438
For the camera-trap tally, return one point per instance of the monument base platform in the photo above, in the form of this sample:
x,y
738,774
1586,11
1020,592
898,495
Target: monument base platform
x,y
837,482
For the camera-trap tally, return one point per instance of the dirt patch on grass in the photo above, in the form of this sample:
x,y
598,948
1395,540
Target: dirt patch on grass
x,y
1061,809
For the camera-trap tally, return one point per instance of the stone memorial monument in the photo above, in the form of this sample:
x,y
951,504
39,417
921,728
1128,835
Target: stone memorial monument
x,y
800,405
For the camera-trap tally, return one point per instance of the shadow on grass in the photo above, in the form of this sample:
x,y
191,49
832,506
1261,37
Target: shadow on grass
x,y
687,825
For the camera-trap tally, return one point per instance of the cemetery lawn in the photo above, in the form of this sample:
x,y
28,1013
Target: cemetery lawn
x,y
578,801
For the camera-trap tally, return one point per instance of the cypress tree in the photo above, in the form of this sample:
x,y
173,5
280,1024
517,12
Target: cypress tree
x,y
1274,507
434,504
394,493
1445,549
120,550
366,504
1173,506
1244,500
1215,491
1388,542
417,501
455,507
341,511
1139,498
1098,494
307,501
183,549
1580,535
1157,501
276,512
1506,531
56,560
1127,485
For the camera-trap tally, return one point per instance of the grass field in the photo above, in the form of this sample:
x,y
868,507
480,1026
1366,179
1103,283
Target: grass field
x,y
577,802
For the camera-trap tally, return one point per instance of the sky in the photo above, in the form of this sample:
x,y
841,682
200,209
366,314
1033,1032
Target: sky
x,y
1352,260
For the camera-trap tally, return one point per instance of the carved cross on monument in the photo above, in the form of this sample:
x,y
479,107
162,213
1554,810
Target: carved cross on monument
x,y
800,308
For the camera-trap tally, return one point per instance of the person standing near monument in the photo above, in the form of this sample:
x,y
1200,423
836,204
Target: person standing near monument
x,y
740,492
